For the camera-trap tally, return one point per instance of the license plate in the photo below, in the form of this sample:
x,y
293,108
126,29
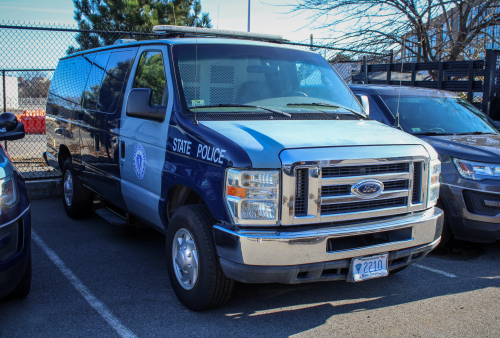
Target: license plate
x,y
363,268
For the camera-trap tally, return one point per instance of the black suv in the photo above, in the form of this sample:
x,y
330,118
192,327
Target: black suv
x,y
468,143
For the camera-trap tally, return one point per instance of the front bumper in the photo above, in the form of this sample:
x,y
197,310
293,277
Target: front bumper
x,y
317,272
258,255
465,223
13,269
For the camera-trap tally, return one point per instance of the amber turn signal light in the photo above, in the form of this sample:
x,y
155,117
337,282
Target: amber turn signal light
x,y
237,192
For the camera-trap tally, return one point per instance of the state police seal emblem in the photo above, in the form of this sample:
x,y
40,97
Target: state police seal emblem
x,y
139,161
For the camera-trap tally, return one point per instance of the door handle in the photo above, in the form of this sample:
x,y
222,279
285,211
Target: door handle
x,y
122,150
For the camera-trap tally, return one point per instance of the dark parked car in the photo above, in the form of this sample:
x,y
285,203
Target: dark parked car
x,y
468,143
15,219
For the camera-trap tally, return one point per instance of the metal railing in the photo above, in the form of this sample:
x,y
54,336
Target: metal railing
x,y
478,81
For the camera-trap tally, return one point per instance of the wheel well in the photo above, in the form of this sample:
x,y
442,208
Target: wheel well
x,y
180,196
64,154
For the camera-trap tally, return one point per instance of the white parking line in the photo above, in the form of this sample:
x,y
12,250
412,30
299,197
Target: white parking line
x,y
84,291
435,270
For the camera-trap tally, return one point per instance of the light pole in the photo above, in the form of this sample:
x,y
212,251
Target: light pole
x,y
248,27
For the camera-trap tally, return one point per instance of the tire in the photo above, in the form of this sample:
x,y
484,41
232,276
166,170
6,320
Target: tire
x,y
191,248
23,288
76,198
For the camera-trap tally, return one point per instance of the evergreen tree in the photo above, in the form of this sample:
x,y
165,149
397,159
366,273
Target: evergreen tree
x,y
131,15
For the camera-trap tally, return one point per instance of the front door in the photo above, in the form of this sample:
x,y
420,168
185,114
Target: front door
x,y
143,142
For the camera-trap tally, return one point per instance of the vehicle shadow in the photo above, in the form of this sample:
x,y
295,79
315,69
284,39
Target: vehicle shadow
x,y
302,307
126,268
285,310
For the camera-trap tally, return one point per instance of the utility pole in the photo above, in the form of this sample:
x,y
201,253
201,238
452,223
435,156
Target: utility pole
x,y
248,27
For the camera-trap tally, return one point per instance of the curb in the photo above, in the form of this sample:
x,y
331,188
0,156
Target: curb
x,y
44,189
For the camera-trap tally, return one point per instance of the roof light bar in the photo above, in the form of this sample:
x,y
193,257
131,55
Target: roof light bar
x,y
122,41
183,30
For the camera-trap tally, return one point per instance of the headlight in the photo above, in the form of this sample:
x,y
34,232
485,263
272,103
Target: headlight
x,y
8,192
434,172
477,171
253,196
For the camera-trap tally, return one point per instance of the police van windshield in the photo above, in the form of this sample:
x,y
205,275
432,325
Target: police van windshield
x,y
245,78
422,115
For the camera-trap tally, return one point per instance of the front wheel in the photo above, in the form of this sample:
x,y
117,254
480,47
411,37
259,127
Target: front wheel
x,y
193,265
76,198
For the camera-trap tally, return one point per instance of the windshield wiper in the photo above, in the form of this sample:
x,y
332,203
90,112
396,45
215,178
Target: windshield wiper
x,y
432,133
476,133
236,105
320,104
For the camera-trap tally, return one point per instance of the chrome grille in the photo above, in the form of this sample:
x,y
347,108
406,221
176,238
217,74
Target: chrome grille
x,y
363,206
365,170
417,182
321,190
339,190
336,190
396,178
301,193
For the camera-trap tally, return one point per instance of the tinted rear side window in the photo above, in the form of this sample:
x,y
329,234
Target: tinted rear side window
x,y
116,73
91,93
69,80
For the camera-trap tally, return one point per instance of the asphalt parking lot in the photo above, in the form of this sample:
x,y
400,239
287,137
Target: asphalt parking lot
x,y
93,279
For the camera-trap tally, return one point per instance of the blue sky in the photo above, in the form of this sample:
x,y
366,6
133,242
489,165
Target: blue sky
x,y
228,14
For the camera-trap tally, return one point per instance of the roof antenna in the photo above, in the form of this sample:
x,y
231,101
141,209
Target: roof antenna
x,y
396,120
195,122
173,10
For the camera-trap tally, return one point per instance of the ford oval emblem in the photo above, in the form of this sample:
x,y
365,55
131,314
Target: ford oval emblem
x,y
368,188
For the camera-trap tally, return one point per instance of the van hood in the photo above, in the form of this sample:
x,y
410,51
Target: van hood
x,y
264,140
482,148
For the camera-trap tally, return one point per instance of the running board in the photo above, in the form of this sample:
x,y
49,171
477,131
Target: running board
x,y
111,217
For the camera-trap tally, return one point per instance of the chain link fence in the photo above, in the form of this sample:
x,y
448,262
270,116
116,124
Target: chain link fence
x,y
29,55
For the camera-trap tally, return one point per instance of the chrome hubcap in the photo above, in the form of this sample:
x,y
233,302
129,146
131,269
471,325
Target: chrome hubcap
x,y
68,188
185,259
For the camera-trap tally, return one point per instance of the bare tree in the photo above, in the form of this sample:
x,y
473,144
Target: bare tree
x,y
432,30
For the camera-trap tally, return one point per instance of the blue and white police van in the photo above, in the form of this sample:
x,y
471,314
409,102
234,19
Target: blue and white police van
x,y
254,158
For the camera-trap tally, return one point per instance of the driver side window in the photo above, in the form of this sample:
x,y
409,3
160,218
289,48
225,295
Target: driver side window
x,y
150,74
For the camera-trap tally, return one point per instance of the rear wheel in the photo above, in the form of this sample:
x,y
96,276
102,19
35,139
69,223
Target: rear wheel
x,y
76,198
23,288
193,265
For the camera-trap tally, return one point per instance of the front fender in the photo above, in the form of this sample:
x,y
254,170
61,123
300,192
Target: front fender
x,y
197,157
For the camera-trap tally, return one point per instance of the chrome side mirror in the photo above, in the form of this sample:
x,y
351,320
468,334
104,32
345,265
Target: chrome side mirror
x,y
365,102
